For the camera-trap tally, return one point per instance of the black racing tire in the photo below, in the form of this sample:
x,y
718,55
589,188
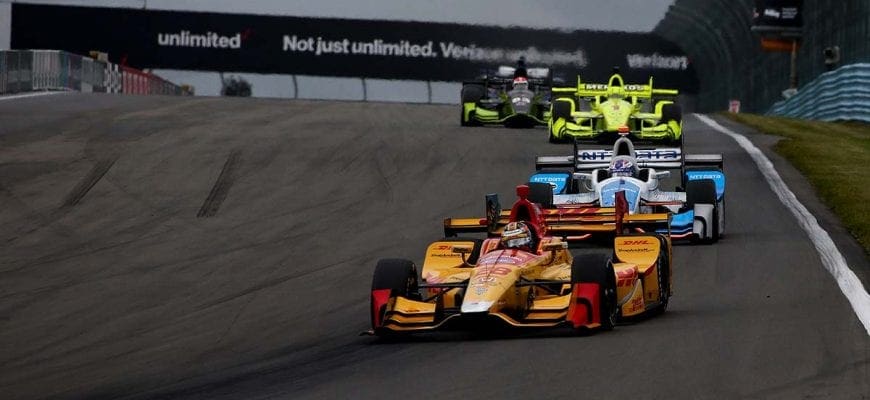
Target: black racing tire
x,y
463,121
700,191
398,275
672,112
597,268
678,142
541,193
553,139
664,282
472,93
703,191
561,109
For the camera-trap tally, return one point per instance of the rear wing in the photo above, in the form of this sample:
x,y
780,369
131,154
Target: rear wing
x,y
585,159
572,223
704,161
495,81
615,84
505,71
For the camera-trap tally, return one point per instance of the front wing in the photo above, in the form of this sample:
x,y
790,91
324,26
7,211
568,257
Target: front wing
x,y
579,308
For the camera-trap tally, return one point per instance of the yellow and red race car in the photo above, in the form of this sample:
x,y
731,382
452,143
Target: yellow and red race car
x,y
470,282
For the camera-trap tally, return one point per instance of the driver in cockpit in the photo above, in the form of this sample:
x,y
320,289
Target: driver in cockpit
x,y
622,166
520,83
519,236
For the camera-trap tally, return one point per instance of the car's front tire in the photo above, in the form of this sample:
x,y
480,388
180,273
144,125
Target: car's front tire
x,y
597,268
561,109
399,276
471,93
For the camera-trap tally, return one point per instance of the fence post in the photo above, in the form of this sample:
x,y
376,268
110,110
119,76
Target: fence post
x,y
295,88
3,55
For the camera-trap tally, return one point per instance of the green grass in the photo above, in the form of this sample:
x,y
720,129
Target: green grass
x,y
835,158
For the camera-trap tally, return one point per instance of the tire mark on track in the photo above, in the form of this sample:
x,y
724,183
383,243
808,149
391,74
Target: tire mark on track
x,y
88,182
221,186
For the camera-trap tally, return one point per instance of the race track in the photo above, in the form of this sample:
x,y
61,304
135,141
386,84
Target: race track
x,y
162,247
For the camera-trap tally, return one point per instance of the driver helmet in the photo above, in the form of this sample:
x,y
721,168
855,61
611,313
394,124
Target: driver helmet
x,y
517,235
621,166
521,83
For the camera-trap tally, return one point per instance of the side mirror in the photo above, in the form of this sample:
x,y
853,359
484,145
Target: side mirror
x,y
555,246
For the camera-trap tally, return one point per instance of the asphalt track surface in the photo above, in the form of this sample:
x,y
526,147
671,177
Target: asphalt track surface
x,y
127,272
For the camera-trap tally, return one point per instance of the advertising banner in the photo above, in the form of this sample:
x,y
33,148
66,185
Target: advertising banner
x,y
342,47
778,14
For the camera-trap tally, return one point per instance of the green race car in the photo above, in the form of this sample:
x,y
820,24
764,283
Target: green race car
x,y
513,97
596,111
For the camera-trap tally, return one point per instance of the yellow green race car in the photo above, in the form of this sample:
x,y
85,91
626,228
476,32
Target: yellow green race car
x,y
596,111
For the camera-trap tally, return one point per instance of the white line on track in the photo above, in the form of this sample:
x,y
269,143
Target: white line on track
x,y
831,257
26,95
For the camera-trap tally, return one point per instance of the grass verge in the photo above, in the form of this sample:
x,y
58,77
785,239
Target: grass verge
x,y
835,158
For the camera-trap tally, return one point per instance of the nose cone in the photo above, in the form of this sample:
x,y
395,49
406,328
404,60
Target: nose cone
x,y
521,101
476,306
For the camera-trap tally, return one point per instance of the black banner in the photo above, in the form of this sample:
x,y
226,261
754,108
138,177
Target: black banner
x,y
342,47
778,14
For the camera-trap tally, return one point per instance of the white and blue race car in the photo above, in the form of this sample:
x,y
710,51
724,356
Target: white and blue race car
x,y
591,179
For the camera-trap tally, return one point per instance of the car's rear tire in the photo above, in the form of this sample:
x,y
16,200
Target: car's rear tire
x,y
597,268
672,112
703,191
398,275
541,193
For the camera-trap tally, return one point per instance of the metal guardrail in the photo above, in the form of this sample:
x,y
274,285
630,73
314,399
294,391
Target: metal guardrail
x,y
33,70
839,95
